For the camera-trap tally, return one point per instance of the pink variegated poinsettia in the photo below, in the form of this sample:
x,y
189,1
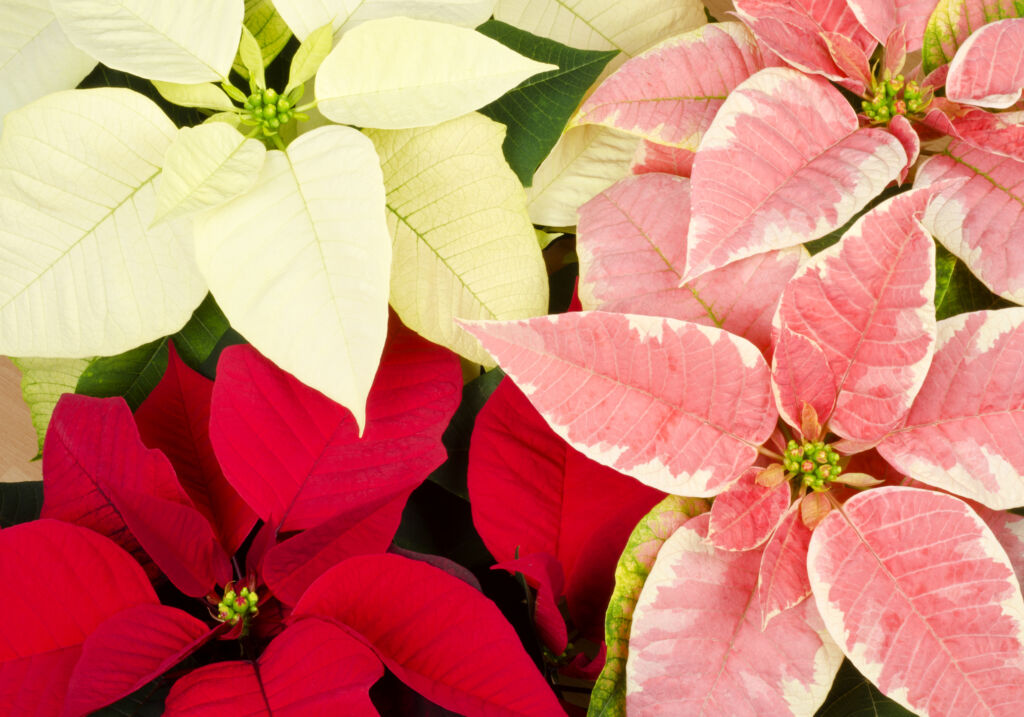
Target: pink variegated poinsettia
x,y
785,157
861,374
319,610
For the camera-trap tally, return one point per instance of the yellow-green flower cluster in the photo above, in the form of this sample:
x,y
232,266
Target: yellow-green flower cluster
x,y
815,463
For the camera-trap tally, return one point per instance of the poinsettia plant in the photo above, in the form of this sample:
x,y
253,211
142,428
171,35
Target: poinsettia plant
x,y
316,606
859,369
295,242
811,455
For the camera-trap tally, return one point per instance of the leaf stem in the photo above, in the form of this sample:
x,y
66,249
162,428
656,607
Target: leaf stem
x,y
770,453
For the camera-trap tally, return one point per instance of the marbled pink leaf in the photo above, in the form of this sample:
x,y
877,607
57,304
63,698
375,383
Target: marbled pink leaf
x,y
882,17
653,157
782,580
903,131
314,667
129,650
922,599
963,432
746,514
801,374
666,93
51,601
999,133
678,406
981,222
631,241
792,28
783,162
852,61
697,617
867,303
988,69
1009,531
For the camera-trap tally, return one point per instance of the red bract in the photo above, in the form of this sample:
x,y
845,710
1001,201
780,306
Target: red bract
x,y
532,494
857,362
51,602
296,456
86,627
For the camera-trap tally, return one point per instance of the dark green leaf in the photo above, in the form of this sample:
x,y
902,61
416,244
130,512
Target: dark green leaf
x,y
536,111
832,237
20,502
957,290
451,475
438,522
103,76
147,701
853,695
135,373
198,338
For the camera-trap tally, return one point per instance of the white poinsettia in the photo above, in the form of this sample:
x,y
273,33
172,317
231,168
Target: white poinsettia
x,y
117,223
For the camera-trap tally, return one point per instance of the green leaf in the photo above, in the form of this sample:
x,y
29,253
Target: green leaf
x,y
853,695
147,701
135,373
43,382
103,76
463,244
957,291
269,29
306,60
451,475
20,502
204,94
251,57
608,698
952,21
537,110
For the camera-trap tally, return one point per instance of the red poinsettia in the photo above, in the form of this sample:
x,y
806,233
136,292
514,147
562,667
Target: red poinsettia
x,y
319,610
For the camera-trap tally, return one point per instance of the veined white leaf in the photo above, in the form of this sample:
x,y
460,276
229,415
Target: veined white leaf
x,y
586,161
36,58
206,166
251,55
185,41
203,94
305,16
308,57
400,73
463,243
629,27
300,263
80,272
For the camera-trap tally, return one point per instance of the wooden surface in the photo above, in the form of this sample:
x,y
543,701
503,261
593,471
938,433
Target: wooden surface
x,y
17,437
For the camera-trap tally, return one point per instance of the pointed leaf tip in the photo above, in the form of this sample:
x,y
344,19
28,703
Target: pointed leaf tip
x,y
570,366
